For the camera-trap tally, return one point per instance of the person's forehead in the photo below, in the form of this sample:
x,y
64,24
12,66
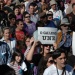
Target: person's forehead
x,y
20,22
62,55
31,6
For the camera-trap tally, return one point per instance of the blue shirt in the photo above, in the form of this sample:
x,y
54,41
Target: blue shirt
x,y
5,55
50,24
68,41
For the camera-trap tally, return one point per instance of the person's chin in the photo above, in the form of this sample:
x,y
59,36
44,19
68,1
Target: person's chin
x,y
63,65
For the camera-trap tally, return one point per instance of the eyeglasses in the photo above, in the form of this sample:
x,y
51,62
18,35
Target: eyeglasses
x,y
27,16
51,61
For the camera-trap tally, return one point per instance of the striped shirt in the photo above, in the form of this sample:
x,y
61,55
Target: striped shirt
x,y
18,68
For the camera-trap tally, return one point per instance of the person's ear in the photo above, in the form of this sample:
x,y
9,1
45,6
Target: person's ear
x,y
55,60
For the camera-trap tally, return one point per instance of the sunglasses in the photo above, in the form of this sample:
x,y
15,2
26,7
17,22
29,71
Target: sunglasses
x,y
65,26
51,61
27,16
46,45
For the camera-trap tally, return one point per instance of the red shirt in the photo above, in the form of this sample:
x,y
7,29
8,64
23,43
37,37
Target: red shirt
x,y
20,35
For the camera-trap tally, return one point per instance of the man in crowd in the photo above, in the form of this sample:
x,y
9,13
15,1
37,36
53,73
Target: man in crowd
x,y
59,67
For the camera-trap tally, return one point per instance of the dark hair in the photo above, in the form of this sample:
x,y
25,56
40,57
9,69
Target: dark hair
x,y
16,7
58,52
6,70
27,36
73,5
43,64
32,4
22,5
25,13
17,52
18,20
11,15
39,24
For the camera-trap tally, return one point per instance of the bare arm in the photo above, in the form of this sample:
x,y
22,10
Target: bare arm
x,y
31,51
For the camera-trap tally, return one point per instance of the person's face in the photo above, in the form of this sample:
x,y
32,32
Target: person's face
x,y
42,0
7,33
44,19
50,18
61,61
22,10
46,49
50,62
53,6
74,8
9,2
16,11
27,18
17,59
20,25
64,28
31,9
13,20
27,42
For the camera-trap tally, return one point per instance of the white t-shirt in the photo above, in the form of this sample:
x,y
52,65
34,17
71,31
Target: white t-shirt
x,y
57,14
52,70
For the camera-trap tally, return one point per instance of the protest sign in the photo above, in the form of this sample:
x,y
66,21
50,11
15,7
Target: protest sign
x,y
73,43
47,35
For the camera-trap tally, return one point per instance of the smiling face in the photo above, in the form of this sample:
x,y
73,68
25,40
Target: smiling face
x,y
50,61
61,61
27,18
17,59
16,11
20,25
6,34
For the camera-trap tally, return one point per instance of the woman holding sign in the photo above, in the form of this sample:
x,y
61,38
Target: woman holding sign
x,y
64,38
35,58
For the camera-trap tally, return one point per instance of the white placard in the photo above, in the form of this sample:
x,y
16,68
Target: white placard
x,y
73,43
47,35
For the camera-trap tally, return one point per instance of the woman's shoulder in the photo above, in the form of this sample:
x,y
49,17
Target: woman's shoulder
x,y
12,39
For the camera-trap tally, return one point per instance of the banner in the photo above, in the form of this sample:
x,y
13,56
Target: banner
x,y
47,35
73,43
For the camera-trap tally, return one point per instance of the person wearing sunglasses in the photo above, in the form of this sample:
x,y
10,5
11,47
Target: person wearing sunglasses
x,y
64,38
44,63
29,26
35,58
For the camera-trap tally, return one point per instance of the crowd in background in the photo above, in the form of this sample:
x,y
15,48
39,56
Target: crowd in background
x,y
20,51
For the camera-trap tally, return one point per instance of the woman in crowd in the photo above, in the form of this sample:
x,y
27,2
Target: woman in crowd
x,y
10,41
44,63
22,8
17,63
17,12
64,38
35,58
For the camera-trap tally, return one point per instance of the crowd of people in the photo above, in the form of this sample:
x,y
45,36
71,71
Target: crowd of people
x,y
21,53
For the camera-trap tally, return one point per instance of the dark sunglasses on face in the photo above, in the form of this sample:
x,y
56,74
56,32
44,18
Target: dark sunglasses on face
x,y
51,61
46,45
27,16
65,26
